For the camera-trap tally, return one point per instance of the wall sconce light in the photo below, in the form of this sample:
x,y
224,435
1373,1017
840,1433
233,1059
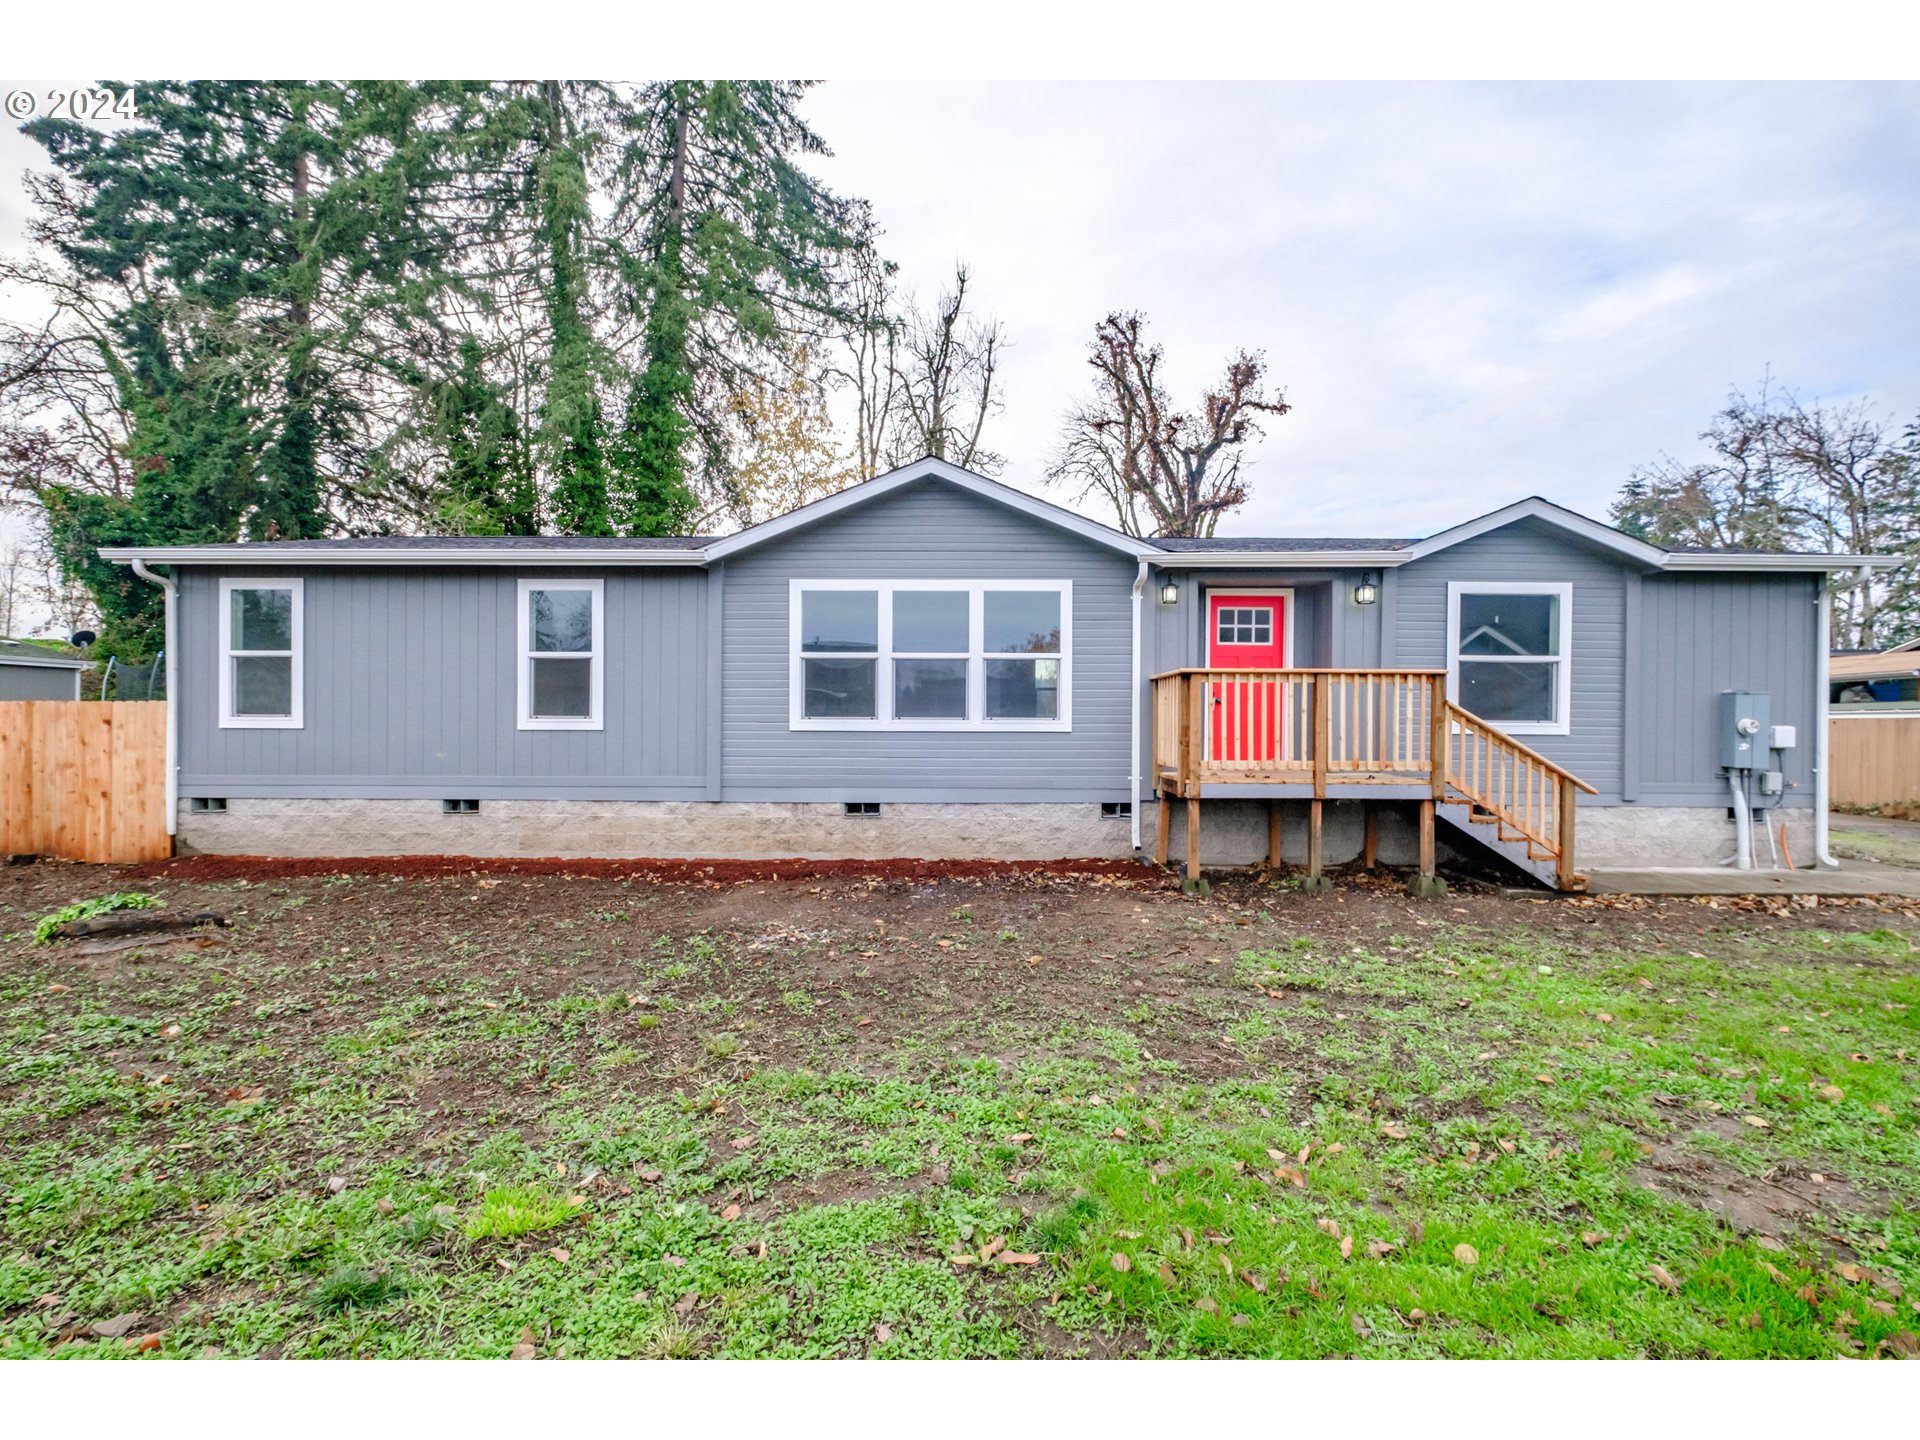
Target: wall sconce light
x,y
1368,590
1169,592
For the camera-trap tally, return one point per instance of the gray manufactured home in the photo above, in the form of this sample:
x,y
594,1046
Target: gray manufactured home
x,y
935,665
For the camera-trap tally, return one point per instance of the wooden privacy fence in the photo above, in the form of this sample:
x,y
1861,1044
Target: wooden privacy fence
x,y
1874,759
84,780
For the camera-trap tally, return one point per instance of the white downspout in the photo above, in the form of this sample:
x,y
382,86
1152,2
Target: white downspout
x,y
172,592
1821,723
1133,712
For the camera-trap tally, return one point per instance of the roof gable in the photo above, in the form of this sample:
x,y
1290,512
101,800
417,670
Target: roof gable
x,y
930,469
1604,537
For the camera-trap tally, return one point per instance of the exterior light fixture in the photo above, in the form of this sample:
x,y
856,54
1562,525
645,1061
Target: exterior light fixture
x,y
1368,590
1169,593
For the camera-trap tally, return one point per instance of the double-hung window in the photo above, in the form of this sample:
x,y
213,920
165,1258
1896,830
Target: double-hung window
x,y
260,654
561,657
1509,657
931,654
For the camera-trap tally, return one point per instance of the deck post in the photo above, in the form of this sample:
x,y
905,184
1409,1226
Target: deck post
x,y
1192,734
1316,880
1566,876
1437,760
1273,834
1426,885
1370,845
1165,829
1322,733
1192,882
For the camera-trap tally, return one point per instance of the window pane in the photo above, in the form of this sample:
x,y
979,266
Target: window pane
x,y
1509,692
562,619
1023,689
263,685
926,620
1023,622
262,619
1509,624
930,689
840,620
840,689
562,689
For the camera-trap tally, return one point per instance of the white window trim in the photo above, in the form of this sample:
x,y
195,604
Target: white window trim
x,y
976,718
1287,656
1561,724
524,656
224,639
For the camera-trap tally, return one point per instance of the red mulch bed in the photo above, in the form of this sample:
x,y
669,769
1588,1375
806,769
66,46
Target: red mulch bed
x,y
265,867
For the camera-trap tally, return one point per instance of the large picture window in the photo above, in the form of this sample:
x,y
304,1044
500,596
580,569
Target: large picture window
x,y
260,660
1509,653
561,655
931,654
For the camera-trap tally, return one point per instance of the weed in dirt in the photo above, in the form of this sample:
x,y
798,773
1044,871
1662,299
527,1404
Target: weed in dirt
x,y
510,1210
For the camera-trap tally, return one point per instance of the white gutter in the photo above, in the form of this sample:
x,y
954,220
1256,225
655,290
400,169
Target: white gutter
x,y
1133,713
1822,723
172,592
1283,559
1824,563
265,554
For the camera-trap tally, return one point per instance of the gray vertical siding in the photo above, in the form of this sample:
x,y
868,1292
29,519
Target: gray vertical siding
x,y
1702,634
929,530
410,691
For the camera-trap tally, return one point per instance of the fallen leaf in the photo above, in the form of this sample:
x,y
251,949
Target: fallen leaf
x,y
524,1350
1758,1122
1832,1092
993,1247
1544,1079
1253,1282
148,1342
1346,1247
1120,1262
168,1032
1020,1137
744,1142
1662,1277
560,1255
1208,1304
1593,1237
1380,1249
1166,1273
116,1327
684,1305
678,1262
732,1212
1465,1254
383,1205
1360,1326
648,1177
1017,1257
1392,1131
882,1333
1241,1321
1296,1178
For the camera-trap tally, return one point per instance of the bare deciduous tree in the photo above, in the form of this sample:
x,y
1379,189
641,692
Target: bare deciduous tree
x,y
869,366
948,369
1785,474
1166,472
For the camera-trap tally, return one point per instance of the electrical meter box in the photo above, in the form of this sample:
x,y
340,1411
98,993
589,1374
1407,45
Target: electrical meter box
x,y
1742,737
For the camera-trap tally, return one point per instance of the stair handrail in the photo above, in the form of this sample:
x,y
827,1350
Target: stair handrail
x,y
1507,742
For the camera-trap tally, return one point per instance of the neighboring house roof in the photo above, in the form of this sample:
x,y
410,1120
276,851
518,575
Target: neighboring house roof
x,y
1212,552
1861,665
20,652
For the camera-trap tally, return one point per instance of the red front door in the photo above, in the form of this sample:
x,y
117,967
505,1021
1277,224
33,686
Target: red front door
x,y
1245,632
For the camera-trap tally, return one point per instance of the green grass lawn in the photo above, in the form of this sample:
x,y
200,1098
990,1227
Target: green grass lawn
x,y
594,1118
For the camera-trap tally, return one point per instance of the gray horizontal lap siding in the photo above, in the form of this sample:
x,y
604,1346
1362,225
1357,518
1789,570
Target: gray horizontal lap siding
x,y
925,531
1526,551
410,691
1700,635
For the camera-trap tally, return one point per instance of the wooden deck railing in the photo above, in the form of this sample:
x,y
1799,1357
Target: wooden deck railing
x,y
1217,727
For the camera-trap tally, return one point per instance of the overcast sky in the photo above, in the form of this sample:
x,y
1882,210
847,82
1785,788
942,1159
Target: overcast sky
x,y
1470,293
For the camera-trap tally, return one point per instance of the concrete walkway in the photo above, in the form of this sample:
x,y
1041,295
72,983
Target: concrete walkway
x,y
1854,877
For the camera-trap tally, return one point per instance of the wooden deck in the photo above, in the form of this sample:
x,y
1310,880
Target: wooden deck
x,y
1320,734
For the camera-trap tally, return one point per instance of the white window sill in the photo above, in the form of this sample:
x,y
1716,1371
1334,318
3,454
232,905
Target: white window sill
x,y
593,724
1055,726
261,722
